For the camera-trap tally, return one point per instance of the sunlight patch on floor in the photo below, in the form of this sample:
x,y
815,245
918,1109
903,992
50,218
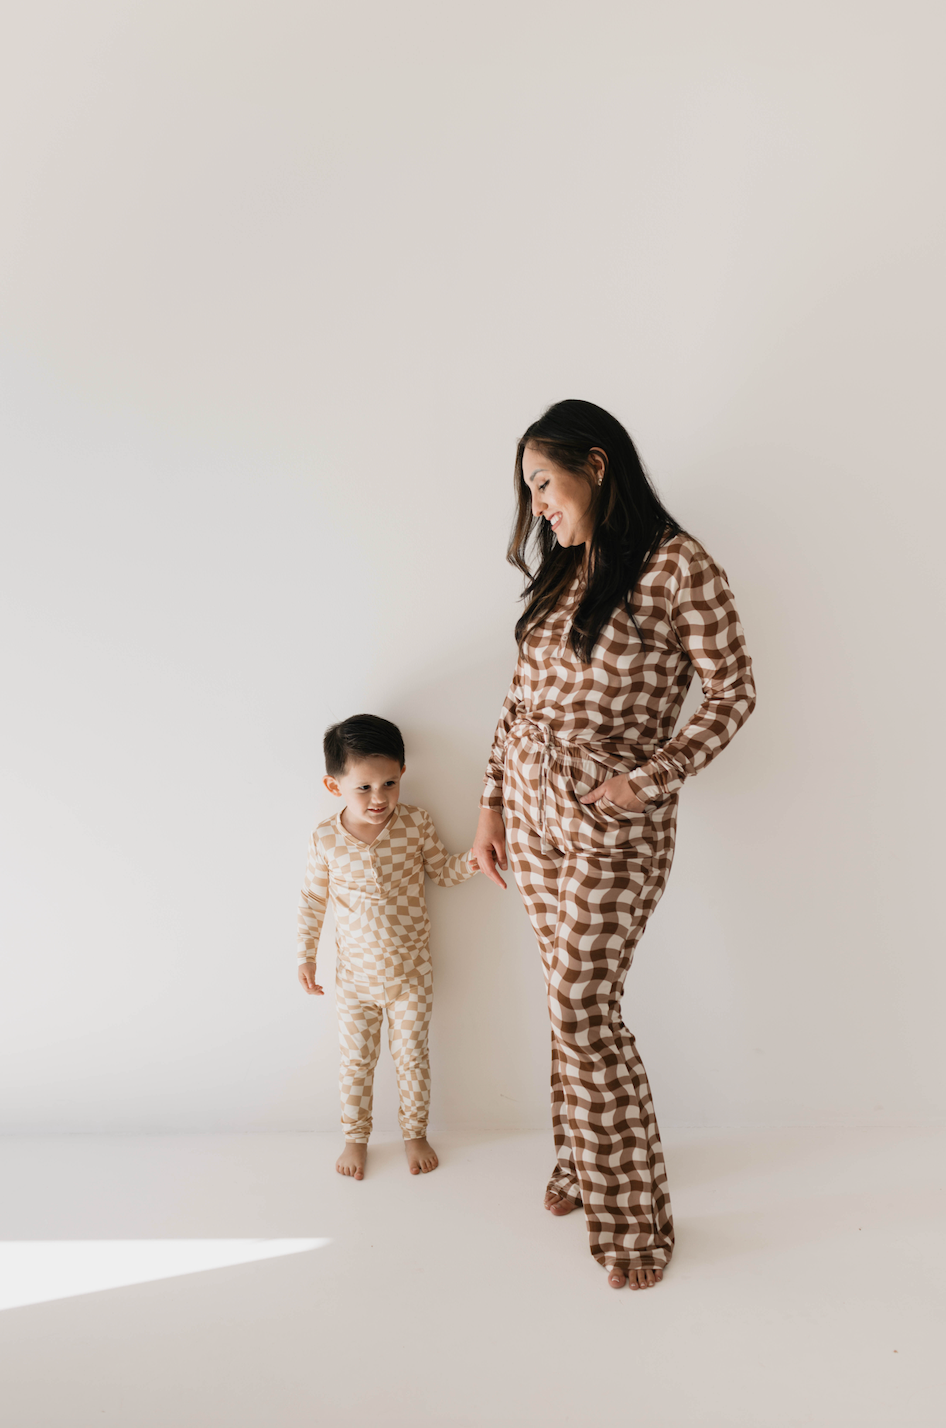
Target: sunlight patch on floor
x,y
37,1271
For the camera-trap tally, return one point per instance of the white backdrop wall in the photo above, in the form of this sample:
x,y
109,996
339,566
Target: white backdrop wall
x,y
281,285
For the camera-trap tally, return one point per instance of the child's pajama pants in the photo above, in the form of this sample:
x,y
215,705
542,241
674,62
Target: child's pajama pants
x,y
360,1010
589,906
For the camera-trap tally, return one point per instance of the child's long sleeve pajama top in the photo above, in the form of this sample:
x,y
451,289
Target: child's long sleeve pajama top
x,y
591,874
382,936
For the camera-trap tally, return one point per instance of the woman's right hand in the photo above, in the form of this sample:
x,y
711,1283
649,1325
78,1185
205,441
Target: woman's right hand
x,y
489,845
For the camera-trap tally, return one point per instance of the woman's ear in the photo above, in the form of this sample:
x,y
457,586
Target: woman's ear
x,y
332,785
597,464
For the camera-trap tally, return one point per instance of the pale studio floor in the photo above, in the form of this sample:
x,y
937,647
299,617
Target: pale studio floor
x,y
807,1288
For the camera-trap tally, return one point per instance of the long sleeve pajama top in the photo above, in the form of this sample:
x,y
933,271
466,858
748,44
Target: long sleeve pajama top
x,y
382,929
619,711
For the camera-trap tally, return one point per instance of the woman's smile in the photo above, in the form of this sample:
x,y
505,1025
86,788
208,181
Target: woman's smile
x,y
558,496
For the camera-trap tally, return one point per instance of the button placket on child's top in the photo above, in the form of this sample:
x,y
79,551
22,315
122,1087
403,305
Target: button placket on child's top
x,y
376,865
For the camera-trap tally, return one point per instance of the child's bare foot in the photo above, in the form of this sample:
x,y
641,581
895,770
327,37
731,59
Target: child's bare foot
x,y
352,1160
559,1204
421,1156
635,1278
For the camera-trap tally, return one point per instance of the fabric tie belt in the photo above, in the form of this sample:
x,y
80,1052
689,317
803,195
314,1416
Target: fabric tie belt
x,y
555,749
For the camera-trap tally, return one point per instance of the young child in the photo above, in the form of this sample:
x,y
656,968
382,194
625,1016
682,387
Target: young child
x,y
371,859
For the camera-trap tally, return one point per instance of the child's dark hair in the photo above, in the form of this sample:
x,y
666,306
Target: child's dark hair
x,y
363,735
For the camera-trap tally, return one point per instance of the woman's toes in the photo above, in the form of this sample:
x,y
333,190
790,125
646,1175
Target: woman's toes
x,y
617,1279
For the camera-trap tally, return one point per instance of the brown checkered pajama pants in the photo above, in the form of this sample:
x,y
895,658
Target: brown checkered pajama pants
x,y
589,911
408,1006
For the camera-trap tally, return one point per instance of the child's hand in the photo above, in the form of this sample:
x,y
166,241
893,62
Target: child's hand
x,y
307,979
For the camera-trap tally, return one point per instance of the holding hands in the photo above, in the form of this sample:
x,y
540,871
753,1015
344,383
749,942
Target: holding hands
x,y
489,845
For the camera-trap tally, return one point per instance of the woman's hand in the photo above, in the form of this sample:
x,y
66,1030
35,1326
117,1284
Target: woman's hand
x,y
618,790
489,845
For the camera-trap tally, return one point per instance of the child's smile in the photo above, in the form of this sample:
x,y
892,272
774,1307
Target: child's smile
x,y
371,788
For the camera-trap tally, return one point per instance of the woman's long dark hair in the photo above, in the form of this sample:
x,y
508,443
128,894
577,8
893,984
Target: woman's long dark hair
x,y
630,523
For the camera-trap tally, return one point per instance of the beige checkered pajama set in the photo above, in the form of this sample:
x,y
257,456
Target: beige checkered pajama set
x,y
382,962
591,874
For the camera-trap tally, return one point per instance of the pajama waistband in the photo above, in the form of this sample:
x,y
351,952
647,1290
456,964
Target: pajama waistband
x,y
383,989
562,750
556,750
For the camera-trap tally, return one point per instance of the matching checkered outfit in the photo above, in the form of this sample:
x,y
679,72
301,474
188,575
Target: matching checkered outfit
x,y
591,874
382,964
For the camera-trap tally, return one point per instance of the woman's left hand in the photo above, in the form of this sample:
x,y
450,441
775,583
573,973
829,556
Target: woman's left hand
x,y
618,790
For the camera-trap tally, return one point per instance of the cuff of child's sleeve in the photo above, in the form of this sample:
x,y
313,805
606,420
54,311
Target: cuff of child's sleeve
x,y
303,960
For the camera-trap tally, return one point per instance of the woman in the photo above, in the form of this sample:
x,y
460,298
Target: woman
x,y
585,766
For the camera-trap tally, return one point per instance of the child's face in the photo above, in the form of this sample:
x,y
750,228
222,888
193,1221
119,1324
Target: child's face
x,y
370,787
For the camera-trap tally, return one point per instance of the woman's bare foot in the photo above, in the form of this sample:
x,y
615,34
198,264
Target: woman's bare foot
x,y
352,1160
635,1278
421,1156
559,1204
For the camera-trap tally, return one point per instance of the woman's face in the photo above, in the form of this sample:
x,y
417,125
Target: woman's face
x,y
559,497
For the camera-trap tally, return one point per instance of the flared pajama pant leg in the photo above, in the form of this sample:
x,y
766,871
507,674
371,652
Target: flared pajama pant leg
x,y
408,1006
537,875
588,913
